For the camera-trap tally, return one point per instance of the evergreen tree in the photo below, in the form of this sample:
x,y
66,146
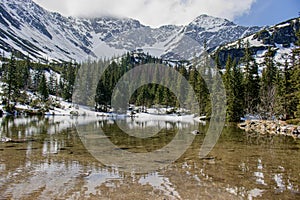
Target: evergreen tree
x,y
11,87
295,74
193,82
180,87
217,58
69,77
38,73
102,97
43,88
143,97
166,97
251,81
268,86
159,95
203,97
53,85
25,73
205,83
233,79
285,99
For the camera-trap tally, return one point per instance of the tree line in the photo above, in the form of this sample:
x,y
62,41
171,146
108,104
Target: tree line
x,y
22,77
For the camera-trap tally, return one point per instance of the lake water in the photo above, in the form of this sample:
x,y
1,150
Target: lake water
x,y
64,158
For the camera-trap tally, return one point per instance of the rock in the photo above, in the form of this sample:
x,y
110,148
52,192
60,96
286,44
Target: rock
x,y
271,127
243,125
272,132
283,129
295,132
86,174
195,132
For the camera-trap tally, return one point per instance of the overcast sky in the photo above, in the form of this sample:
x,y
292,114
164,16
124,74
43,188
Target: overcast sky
x,y
181,12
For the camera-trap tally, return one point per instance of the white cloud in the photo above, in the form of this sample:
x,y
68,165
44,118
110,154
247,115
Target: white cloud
x,y
151,12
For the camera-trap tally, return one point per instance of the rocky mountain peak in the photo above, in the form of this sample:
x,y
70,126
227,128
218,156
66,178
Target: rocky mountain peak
x,y
208,22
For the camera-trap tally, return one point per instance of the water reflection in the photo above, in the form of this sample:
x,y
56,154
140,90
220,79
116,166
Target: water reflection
x,y
161,183
109,144
47,160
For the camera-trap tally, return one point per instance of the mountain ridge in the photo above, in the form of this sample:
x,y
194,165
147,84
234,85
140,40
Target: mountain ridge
x,y
280,38
33,31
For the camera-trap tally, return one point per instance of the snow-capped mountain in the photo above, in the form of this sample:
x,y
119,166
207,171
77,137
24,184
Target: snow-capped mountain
x,y
43,35
281,38
205,29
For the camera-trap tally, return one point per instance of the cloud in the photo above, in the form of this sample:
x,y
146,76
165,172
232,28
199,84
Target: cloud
x,y
151,12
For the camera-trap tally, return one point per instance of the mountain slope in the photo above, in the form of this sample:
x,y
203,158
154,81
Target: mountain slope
x,y
43,35
281,38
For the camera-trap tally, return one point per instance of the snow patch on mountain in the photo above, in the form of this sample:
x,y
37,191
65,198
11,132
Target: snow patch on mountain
x,y
280,38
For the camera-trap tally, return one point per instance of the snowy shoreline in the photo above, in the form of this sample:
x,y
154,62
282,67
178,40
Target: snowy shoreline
x,y
70,110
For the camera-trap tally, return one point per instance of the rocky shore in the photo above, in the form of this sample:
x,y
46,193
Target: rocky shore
x,y
271,127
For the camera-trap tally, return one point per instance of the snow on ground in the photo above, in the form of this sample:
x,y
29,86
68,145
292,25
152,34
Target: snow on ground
x,y
103,50
142,117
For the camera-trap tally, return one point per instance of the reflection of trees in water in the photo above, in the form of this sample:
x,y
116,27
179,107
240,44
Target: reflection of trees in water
x,y
135,144
255,138
26,127
33,139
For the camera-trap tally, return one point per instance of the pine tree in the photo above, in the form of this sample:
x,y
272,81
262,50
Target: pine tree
x,y
25,71
166,97
268,86
37,77
194,90
143,97
12,87
251,81
43,88
53,85
159,95
205,83
203,95
285,98
233,79
102,97
69,77
295,74
217,58
183,91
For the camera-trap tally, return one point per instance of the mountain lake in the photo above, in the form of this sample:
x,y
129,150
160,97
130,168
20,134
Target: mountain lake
x,y
81,158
